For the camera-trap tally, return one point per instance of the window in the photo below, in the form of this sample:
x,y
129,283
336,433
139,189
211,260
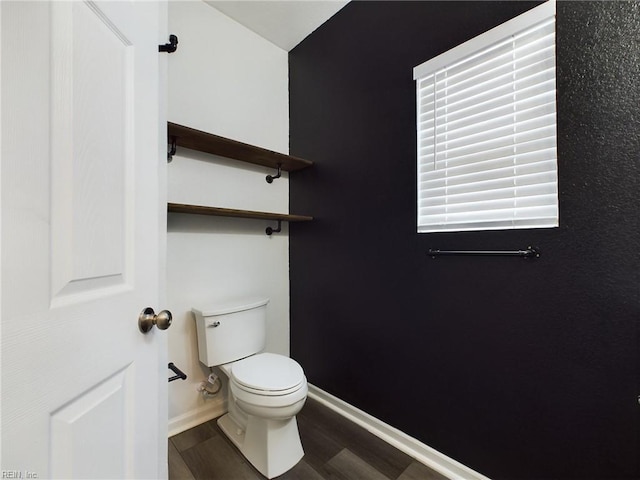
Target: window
x,y
486,122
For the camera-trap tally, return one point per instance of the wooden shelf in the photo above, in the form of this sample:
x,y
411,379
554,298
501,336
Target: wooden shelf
x,y
209,143
230,212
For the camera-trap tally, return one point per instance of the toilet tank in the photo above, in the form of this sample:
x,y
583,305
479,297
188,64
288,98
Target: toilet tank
x,y
231,331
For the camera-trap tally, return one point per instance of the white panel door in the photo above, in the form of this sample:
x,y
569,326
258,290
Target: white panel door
x,y
83,219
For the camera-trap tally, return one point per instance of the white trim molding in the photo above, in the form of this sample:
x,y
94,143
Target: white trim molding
x,y
430,457
196,417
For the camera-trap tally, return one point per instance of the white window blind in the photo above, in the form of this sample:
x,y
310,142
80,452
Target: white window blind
x,y
486,122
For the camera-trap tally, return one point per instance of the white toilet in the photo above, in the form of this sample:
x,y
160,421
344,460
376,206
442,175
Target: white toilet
x,y
266,390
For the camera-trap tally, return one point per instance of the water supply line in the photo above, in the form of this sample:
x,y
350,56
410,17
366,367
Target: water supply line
x,y
208,387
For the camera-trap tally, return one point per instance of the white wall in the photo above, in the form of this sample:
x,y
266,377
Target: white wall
x,y
226,80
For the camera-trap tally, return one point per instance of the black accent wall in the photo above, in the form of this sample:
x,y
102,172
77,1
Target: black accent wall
x,y
517,368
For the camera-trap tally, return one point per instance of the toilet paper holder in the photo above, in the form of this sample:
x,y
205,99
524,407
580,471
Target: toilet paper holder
x,y
179,374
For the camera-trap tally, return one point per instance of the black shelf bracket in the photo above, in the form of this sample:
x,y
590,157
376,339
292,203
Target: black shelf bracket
x,y
171,151
170,47
271,178
530,252
270,230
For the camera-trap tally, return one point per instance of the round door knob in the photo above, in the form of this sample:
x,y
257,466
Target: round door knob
x,y
148,318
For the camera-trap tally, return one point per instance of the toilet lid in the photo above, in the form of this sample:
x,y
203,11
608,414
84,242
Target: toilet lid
x,y
267,371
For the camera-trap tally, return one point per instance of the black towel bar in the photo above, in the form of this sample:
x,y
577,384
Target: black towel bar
x,y
530,252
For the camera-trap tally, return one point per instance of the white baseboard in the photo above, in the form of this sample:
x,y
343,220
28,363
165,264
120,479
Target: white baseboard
x,y
196,417
400,440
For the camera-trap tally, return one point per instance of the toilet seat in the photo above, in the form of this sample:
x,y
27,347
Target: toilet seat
x,y
267,393
270,400
268,374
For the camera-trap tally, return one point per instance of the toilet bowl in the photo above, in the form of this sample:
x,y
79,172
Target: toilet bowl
x,y
268,385
266,390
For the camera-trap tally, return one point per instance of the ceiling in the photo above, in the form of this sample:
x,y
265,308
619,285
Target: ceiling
x,y
284,23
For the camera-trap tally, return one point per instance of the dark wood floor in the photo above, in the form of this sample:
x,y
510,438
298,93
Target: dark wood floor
x,y
335,449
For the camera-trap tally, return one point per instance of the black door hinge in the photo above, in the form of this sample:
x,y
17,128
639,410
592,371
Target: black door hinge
x,y
170,47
